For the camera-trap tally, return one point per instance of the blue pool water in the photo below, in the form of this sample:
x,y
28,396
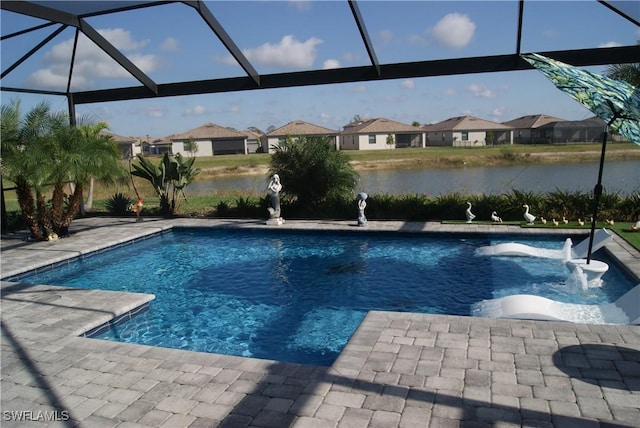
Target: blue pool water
x,y
298,297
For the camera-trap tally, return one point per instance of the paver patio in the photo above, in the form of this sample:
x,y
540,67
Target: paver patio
x,y
398,369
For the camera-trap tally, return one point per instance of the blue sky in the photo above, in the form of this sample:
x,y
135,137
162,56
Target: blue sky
x,y
281,36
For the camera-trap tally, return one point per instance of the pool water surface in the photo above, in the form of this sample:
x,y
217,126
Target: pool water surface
x,y
298,297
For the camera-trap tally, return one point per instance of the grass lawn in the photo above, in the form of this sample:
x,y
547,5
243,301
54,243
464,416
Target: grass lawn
x,y
447,156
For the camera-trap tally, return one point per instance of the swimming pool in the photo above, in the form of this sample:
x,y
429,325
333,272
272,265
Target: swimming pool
x,y
298,297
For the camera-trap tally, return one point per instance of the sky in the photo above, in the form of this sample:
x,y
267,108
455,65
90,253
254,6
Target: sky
x,y
285,36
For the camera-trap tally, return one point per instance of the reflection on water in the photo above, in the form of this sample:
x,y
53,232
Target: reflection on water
x,y
618,176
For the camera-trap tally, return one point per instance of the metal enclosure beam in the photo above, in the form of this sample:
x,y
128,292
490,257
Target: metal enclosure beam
x,y
226,40
486,64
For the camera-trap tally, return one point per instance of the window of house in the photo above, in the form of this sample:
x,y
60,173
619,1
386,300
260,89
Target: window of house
x,y
282,140
465,135
372,139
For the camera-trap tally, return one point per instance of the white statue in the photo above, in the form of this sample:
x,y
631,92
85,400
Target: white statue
x,y
274,189
495,218
362,204
527,216
469,214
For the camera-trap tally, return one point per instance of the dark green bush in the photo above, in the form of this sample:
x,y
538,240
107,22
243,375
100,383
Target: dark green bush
x,y
118,204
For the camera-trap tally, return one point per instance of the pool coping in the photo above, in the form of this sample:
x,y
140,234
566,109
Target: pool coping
x,y
388,374
621,251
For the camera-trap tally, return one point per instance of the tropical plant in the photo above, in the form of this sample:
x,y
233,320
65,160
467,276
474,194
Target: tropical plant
x,y
85,153
312,171
118,204
629,73
22,156
42,153
169,178
390,140
191,146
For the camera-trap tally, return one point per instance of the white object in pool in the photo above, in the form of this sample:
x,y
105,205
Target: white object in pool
x,y
625,310
568,252
593,270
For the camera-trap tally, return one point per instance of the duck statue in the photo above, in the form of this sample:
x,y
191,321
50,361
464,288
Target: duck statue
x,y
495,218
469,214
530,218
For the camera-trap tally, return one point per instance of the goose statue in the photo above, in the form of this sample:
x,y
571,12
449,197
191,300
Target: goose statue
x,y
580,222
495,218
555,222
469,214
564,220
528,216
543,220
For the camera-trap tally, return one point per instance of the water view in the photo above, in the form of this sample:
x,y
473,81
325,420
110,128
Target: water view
x,y
618,176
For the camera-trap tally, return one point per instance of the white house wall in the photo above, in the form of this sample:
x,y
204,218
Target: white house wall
x,y
204,148
271,143
474,138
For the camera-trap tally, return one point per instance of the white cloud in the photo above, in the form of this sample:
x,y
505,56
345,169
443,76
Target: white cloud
x,y
359,88
609,45
418,40
170,44
394,98
351,58
195,111
331,63
287,53
301,5
450,91
454,30
408,84
386,36
121,39
497,113
480,91
91,62
155,112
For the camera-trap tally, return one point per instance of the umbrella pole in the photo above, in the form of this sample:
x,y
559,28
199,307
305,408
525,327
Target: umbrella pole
x,y
597,191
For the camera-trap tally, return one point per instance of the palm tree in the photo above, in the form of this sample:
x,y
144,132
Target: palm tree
x,y
24,157
42,151
629,73
83,153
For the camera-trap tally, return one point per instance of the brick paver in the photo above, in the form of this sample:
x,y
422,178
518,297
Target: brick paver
x,y
398,370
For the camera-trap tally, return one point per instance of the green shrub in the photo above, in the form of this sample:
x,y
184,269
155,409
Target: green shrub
x,y
118,204
223,209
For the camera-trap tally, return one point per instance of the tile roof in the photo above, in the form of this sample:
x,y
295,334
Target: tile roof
x,y
119,138
206,132
300,127
592,122
464,123
531,121
378,126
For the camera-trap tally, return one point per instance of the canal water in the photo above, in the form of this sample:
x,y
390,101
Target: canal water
x,y
618,176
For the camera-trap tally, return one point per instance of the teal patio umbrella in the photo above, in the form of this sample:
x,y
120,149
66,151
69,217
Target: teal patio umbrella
x,y
614,101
